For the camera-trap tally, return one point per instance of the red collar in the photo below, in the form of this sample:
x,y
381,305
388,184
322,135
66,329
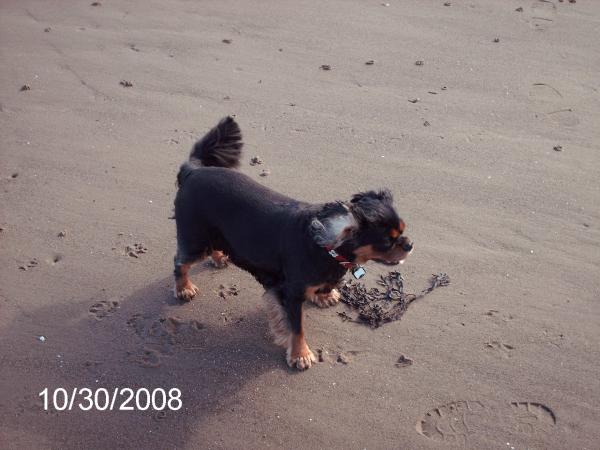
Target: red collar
x,y
356,269
343,261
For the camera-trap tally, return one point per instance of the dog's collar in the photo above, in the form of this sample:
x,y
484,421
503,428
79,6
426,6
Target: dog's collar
x,y
339,258
356,270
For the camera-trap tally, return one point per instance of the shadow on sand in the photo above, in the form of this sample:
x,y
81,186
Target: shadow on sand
x,y
146,339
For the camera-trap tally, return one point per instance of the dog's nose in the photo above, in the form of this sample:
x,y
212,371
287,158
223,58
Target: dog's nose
x,y
407,246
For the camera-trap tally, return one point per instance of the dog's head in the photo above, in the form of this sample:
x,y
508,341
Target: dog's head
x,y
368,228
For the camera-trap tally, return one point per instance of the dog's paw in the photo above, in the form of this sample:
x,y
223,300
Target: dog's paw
x,y
303,360
186,292
326,300
219,259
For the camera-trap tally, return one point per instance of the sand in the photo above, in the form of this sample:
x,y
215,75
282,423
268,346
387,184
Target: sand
x,y
505,356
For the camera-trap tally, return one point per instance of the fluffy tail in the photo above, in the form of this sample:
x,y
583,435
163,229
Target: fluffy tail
x,y
220,147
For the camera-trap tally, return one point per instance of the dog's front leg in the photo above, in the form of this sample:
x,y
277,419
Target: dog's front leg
x,y
298,354
323,296
285,320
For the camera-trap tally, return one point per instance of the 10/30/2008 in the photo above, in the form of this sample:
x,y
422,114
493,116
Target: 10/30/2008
x,y
102,399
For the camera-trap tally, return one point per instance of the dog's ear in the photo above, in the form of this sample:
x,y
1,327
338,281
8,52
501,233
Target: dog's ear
x,y
383,195
331,231
368,205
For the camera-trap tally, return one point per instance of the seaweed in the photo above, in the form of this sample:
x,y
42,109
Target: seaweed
x,y
377,306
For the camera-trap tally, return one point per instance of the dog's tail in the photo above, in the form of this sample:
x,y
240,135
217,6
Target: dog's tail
x,y
220,147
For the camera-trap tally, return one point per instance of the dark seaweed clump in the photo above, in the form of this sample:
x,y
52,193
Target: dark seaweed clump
x,y
377,306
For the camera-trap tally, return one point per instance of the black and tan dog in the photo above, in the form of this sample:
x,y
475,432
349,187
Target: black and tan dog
x,y
296,250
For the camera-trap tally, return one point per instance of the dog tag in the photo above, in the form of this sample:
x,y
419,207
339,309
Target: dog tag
x,y
359,272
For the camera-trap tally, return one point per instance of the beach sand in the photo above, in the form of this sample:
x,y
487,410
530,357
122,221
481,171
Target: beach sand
x,y
492,168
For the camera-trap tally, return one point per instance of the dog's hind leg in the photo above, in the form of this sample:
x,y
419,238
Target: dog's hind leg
x,y
184,289
193,245
220,260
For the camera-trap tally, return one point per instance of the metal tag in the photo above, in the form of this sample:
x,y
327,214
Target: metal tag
x,y
359,272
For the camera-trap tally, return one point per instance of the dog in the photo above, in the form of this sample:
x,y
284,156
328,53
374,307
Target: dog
x,y
296,250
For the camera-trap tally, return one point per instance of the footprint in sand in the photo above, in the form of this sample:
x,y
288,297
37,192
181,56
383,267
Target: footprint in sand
x,y
541,15
544,92
163,336
30,264
499,317
451,422
459,421
104,308
552,105
500,348
150,358
564,117
528,417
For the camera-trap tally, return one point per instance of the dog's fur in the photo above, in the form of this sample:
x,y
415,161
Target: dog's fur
x,y
281,241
